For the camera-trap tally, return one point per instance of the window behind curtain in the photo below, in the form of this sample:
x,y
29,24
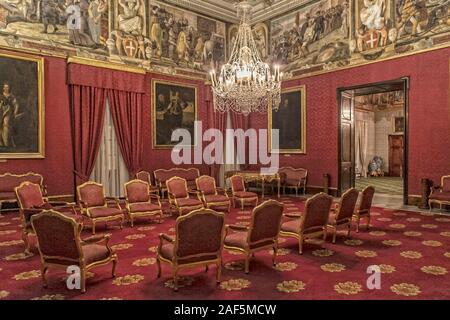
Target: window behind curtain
x,y
109,168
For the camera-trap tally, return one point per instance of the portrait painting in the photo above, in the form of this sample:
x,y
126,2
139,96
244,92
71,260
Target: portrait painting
x,y
174,106
290,121
21,107
399,124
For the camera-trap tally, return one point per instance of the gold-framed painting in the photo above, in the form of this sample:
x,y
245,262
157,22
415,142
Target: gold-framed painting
x,y
174,106
22,127
290,120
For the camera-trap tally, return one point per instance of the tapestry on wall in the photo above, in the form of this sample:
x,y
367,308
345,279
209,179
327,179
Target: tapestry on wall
x,y
331,34
21,107
145,33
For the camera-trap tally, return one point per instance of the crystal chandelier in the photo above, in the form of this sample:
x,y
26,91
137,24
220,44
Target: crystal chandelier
x,y
246,84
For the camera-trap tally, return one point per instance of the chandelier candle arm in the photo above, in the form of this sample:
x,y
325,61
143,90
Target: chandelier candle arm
x,y
246,84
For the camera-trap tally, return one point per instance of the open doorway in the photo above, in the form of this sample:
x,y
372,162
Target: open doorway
x,y
373,138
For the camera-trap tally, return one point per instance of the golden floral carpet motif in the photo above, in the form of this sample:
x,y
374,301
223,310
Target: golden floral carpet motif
x,y
410,249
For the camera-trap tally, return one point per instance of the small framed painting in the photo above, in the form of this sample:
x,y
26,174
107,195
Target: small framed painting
x,y
399,124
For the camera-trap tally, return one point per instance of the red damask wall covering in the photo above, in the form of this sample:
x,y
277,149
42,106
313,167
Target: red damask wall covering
x,y
429,121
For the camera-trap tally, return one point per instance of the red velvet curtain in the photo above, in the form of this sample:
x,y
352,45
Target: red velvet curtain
x,y
126,110
217,120
87,108
89,87
239,121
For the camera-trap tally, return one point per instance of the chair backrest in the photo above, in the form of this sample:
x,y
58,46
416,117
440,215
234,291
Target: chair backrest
x,y
29,195
266,221
237,183
366,199
9,181
347,204
177,187
200,232
445,183
206,184
58,236
91,194
317,210
144,176
137,191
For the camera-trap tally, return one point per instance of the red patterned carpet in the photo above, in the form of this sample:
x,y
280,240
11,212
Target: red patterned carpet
x,y
411,249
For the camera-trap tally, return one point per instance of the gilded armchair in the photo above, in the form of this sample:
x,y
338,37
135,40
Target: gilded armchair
x,y
363,210
239,192
180,197
261,234
60,245
140,201
440,194
312,223
209,193
95,206
198,242
342,214
32,201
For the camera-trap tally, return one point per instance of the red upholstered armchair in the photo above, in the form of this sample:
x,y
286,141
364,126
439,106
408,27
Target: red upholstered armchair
x,y
31,201
261,234
140,202
342,214
440,194
198,242
292,178
239,192
146,176
364,207
210,196
179,196
312,223
94,204
60,245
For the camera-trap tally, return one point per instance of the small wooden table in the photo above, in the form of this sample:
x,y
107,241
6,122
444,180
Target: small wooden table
x,y
256,176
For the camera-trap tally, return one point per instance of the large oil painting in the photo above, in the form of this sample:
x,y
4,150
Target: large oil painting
x,y
290,120
21,107
174,106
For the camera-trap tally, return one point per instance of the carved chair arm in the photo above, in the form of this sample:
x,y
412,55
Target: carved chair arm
x,y
97,238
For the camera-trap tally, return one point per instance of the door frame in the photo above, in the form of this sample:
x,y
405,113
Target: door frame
x,y
403,81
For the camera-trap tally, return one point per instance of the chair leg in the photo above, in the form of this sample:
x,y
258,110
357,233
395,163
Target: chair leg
x,y
242,204
218,271
158,264
175,279
93,227
300,245
206,268
114,267
26,241
358,218
131,221
325,234
274,258
121,223
368,222
44,276
429,205
349,229
247,262
334,234
83,279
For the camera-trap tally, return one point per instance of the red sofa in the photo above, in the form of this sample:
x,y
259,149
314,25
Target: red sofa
x,y
9,181
162,175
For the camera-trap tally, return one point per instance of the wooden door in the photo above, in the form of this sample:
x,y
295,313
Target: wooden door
x,y
347,142
396,155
